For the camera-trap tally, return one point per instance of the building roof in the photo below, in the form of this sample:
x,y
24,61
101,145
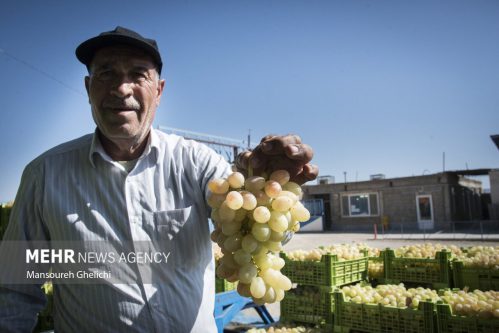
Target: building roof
x,y
473,172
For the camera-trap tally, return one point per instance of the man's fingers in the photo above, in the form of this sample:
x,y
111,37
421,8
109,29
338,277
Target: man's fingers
x,y
310,172
242,160
267,137
275,145
300,152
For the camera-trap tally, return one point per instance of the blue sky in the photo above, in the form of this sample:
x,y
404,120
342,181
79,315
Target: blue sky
x,y
373,86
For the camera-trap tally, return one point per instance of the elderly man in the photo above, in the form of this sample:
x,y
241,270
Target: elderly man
x,y
124,183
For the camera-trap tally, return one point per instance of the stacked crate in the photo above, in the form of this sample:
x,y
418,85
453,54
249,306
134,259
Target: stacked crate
x,y
322,277
377,318
418,271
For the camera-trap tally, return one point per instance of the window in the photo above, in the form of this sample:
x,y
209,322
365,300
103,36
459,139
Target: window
x,y
360,204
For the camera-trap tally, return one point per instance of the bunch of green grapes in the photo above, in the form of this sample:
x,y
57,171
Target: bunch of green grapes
x,y
426,250
389,295
481,257
284,329
483,304
251,217
342,251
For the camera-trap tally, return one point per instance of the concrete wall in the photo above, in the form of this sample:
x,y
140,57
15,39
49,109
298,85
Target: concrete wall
x,y
397,201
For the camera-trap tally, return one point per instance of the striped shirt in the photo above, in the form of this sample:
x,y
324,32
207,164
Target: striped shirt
x,y
76,192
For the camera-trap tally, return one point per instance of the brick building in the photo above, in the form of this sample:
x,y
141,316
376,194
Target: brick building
x,y
428,202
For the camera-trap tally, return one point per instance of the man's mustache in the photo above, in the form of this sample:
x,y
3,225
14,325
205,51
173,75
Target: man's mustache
x,y
129,104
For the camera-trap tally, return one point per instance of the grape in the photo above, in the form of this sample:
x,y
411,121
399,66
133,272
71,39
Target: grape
x,y
233,242
262,199
272,189
249,243
236,180
226,213
277,263
218,186
294,188
278,221
230,228
276,236
257,287
284,282
270,295
264,262
242,257
215,200
234,200
279,294
240,215
228,260
261,232
299,212
261,214
214,235
247,273
273,246
282,203
291,195
215,216
254,184
280,176
249,200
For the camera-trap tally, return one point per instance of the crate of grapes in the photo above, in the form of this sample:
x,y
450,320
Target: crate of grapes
x,y
222,285
328,272
308,304
483,278
377,318
422,271
447,322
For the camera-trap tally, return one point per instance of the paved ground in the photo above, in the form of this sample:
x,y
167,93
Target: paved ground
x,y
307,241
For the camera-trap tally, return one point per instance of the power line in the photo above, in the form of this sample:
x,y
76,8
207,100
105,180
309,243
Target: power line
x,y
36,69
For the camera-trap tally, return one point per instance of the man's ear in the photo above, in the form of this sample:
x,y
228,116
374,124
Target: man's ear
x,y
161,86
87,86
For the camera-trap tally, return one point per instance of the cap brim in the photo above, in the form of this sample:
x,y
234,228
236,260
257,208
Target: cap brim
x,y
86,50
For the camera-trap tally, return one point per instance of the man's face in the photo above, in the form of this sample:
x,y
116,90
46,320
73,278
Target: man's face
x,y
124,90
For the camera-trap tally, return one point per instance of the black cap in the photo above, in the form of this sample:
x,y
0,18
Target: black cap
x,y
119,36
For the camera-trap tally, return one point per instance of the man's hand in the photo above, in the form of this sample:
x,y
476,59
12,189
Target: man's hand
x,y
280,152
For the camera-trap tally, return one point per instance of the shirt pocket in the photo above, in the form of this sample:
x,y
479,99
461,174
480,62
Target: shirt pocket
x,y
168,223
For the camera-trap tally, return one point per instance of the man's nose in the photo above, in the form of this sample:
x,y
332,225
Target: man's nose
x,y
122,88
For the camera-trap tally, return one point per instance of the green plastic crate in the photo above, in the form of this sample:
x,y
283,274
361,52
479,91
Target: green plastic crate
x,y
315,307
222,285
474,278
329,272
424,272
376,318
449,323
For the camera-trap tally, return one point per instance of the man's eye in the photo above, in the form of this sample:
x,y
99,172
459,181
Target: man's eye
x,y
105,75
139,75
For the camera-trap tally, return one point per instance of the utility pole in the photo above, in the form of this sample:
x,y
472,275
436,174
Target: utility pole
x,y
443,161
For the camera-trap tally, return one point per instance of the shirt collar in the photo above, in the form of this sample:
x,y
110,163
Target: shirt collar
x,y
96,148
